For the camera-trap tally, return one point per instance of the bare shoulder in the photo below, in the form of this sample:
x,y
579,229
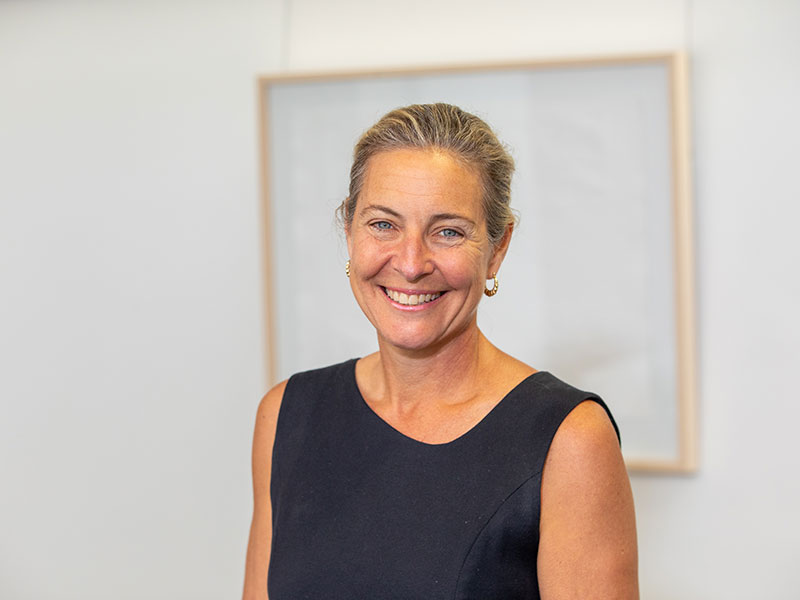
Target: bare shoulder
x,y
268,409
265,428
587,527
258,547
263,439
586,434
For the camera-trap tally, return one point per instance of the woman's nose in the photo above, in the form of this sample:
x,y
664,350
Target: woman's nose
x,y
413,259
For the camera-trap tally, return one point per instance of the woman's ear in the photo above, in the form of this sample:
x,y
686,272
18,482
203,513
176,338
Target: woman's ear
x,y
500,251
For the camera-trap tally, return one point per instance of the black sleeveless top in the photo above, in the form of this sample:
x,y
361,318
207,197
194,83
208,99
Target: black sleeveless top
x,y
361,511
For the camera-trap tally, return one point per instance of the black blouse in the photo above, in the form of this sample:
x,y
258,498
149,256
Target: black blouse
x,y
361,511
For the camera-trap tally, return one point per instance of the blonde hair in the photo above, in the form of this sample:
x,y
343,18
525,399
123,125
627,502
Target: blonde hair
x,y
447,128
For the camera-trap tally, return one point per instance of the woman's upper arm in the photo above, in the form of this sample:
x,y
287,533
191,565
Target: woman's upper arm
x,y
587,543
258,547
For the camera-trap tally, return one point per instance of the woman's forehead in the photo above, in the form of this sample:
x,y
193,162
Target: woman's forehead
x,y
406,174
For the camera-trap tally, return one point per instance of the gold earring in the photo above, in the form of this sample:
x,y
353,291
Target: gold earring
x,y
493,291
347,268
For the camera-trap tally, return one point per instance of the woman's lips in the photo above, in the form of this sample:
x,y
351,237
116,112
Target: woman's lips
x,y
411,298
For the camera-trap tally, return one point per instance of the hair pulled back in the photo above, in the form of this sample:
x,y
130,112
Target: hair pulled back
x,y
447,128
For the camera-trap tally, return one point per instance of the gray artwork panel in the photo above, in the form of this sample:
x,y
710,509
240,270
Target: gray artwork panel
x,y
587,290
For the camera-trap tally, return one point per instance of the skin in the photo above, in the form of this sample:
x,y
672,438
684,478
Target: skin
x,y
258,547
418,228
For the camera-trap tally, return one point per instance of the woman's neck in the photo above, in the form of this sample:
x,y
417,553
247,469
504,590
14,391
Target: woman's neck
x,y
450,374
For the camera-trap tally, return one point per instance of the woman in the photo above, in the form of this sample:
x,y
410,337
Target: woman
x,y
438,467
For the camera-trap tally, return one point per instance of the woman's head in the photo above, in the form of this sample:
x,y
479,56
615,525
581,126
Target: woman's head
x,y
445,128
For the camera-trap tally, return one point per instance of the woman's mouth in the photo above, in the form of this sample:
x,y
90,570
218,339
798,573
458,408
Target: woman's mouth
x,y
411,299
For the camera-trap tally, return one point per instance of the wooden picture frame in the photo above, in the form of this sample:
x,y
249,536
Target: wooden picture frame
x,y
600,291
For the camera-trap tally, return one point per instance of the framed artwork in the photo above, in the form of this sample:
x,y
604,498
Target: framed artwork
x,y
597,286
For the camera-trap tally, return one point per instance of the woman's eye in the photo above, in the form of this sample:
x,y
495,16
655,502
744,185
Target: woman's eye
x,y
382,225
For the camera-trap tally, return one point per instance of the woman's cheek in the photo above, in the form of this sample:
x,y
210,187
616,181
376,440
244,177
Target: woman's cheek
x,y
372,256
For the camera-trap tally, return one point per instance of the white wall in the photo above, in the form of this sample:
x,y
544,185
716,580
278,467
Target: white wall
x,y
131,343
360,33
734,530
131,339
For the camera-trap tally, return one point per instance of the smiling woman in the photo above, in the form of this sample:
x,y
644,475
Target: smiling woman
x,y
418,230
439,466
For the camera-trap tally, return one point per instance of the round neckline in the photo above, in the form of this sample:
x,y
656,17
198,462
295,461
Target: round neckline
x,y
393,430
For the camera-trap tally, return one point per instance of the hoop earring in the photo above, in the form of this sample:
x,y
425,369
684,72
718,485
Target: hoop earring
x,y
347,268
493,291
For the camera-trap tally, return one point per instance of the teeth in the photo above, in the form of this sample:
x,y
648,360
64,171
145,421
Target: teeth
x,y
410,300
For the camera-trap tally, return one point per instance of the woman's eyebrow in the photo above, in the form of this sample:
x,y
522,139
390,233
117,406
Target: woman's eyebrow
x,y
451,216
437,217
380,208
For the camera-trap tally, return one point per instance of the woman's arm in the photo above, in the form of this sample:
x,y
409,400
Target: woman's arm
x,y
587,544
258,548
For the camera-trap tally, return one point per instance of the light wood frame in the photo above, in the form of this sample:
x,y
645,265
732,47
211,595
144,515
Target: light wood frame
x,y
685,460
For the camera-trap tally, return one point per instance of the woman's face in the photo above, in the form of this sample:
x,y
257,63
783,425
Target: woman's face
x,y
419,251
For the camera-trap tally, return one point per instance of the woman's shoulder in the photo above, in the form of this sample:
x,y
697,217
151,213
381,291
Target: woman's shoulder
x,y
271,402
311,388
323,375
587,525
543,396
578,406
268,409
